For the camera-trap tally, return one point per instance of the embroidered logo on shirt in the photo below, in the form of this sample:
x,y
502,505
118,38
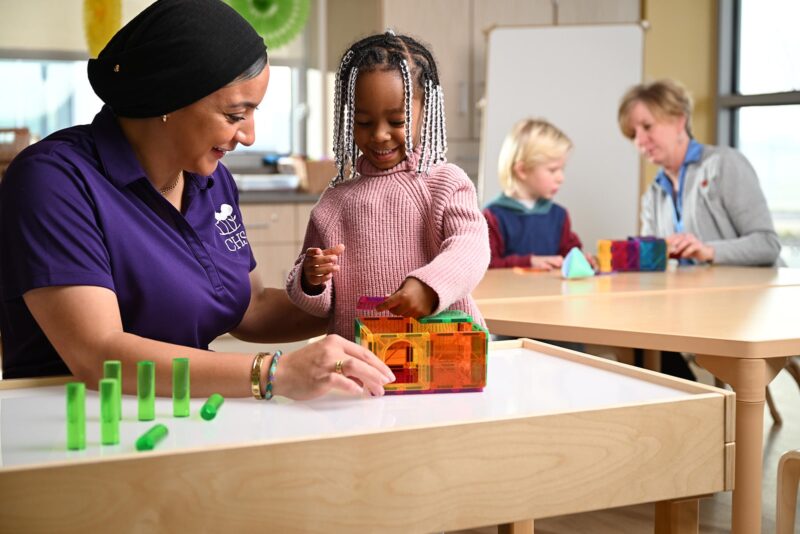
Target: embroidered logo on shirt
x,y
230,229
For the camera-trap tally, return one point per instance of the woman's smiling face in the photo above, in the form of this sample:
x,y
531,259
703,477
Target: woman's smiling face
x,y
216,124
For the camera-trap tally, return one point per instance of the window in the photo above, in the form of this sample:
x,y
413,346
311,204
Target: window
x,y
759,103
768,46
274,128
48,95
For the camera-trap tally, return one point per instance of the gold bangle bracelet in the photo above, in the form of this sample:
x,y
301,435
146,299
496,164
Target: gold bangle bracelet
x,y
255,374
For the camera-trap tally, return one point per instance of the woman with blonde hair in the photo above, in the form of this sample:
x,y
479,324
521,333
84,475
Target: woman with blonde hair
x,y
706,200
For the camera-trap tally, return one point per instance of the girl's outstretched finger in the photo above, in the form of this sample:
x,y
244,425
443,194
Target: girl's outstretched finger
x,y
388,303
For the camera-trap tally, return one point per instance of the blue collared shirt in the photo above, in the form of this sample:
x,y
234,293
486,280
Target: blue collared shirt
x,y
693,153
77,209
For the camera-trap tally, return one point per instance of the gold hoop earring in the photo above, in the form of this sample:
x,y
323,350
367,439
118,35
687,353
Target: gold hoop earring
x,y
163,118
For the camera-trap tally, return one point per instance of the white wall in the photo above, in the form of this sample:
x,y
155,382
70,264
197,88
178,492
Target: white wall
x,y
50,25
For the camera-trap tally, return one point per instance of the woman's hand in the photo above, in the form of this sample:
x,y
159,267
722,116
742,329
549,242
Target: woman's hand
x,y
319,265
546,263
687,246
312,370
414,299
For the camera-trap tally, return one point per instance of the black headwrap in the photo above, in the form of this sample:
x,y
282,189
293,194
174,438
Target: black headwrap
x,y
172,54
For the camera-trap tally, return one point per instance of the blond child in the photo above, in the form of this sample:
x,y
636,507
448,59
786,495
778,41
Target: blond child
x,y
526,228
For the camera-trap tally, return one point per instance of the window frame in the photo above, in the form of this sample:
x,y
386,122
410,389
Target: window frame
x,y
729,100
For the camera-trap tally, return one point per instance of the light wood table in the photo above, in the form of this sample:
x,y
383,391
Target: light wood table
x,y
499,285
554,432
503,284
742,335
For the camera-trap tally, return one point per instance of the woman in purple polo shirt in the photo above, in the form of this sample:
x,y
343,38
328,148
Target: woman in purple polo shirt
x,y
123,239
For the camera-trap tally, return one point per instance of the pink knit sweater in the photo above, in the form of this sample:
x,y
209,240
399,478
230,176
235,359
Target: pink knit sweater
x,y
395,224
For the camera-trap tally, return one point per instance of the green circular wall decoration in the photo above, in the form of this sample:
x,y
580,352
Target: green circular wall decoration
x,y
277,21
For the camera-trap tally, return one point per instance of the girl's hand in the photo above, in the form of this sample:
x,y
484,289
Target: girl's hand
x,y
546,263
319,265
311,371
414,299
688,246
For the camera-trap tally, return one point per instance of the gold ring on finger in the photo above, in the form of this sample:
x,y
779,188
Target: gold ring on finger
x,y
338,368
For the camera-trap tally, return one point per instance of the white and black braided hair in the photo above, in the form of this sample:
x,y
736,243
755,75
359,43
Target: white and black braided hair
x,y
417,68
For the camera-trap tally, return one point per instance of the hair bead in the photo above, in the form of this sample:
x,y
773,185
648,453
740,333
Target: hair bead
x,y
408,104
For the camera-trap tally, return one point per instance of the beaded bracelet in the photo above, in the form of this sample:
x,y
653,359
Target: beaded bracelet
x,y
271,374
255,374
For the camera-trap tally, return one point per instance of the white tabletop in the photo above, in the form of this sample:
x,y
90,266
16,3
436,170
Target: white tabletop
x,y
521,383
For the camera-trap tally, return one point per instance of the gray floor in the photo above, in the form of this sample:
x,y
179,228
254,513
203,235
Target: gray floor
x,y
714,512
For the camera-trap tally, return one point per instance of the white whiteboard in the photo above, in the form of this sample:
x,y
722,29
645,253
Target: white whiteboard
x,y
573,76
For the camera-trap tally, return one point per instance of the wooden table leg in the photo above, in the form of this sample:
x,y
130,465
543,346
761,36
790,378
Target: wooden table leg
x,y
678,517
749,378
652,360
625,355
520,527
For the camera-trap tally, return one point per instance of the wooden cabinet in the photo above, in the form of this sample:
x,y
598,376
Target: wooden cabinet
x,y
275,231
269,223
303,215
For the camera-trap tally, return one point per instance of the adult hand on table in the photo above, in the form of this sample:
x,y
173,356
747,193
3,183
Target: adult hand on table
x,y
688,246
331,363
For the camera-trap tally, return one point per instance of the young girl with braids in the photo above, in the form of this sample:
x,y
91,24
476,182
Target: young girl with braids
x,y
397,219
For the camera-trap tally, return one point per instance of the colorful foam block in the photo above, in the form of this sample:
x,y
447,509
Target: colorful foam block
x,y
632,254
604,255
443,353
652,254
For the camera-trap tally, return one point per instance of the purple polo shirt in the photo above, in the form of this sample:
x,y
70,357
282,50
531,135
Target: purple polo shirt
x,y
77,209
